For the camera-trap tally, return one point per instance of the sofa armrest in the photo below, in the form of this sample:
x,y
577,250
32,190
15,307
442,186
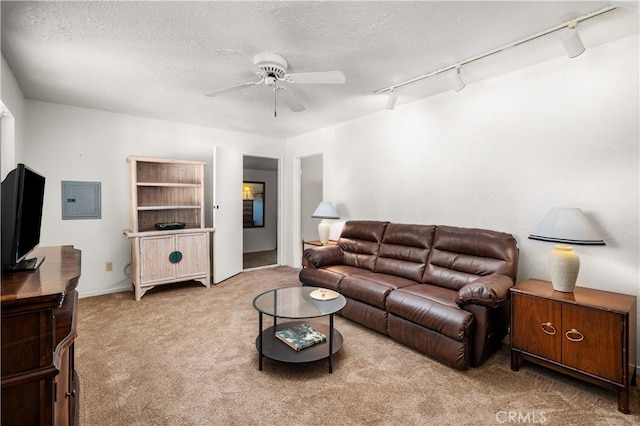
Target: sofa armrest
x,y
490,291
323,256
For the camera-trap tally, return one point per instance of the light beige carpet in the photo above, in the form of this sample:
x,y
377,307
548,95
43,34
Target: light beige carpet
x,y
185,355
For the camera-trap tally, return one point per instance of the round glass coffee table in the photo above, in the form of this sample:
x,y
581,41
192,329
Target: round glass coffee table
x,y
296,303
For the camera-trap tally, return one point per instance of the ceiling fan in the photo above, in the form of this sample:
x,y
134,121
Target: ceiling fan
x,y
272,71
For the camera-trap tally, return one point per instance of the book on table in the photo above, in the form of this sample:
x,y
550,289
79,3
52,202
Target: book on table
x,y
300,336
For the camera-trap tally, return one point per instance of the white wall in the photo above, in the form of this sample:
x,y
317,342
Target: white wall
x,y
70,143
13,99
500,154
266,238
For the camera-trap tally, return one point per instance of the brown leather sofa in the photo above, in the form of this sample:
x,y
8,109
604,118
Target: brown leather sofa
x,y
441,290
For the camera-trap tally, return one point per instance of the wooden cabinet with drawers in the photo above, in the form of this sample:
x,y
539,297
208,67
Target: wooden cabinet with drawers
x,y
39,316
588,334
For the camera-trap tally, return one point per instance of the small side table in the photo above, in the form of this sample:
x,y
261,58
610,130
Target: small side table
x,y
316,243
588,334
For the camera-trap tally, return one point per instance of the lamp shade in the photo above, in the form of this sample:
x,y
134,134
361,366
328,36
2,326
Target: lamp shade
x,y
567,226
325,210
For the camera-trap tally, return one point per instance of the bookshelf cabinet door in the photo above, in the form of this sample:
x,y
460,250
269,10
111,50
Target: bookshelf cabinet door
x,y
195,254
155,265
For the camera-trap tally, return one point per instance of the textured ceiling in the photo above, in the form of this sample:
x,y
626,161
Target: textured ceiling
x,y
157,59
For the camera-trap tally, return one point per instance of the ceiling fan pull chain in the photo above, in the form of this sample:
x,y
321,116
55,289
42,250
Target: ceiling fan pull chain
x,y
275,100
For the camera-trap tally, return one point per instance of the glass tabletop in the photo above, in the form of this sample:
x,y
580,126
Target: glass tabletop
x,y
296,302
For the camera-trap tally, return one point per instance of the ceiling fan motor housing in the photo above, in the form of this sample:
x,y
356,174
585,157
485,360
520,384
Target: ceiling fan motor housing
x,y
272,64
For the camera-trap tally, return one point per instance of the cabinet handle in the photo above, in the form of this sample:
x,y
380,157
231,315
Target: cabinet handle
x,y
175,257
574,335
71,394
548,328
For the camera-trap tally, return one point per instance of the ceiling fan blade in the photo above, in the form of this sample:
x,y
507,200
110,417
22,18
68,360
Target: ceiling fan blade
x,y
231,88
234,56
322,77
290,100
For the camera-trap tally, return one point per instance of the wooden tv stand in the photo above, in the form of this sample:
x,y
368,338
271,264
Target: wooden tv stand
x,y
39,313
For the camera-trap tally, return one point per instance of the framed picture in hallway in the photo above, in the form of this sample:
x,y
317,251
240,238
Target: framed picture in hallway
x,y
252,204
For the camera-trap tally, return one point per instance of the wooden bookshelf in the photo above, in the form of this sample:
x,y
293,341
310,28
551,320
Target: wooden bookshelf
x,y
167,191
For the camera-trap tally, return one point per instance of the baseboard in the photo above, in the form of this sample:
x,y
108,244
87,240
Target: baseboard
x,y
83,294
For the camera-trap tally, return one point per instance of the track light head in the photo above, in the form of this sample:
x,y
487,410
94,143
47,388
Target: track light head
x,y
572,42
457,83
391,101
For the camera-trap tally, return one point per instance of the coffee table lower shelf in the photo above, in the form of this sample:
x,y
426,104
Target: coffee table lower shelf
x,y
277,350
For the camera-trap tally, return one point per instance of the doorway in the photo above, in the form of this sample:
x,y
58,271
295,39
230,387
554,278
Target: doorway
x,y
311,194
260,215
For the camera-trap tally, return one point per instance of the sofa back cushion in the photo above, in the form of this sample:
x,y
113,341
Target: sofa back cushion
x,y
461,255
360,242
404,250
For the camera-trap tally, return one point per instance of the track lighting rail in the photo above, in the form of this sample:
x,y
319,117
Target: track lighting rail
x,y
498,50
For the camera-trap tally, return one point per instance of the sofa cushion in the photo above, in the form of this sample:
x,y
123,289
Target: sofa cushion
x,y
404,250
372,287
431,307
461,255
360,242
327,276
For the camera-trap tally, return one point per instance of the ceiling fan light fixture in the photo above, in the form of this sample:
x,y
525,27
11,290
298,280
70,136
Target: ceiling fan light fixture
x,y
272,64
572,42
457,83
392,99
272,69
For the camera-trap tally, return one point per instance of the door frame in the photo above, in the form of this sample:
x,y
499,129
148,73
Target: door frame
x,y
279,232
297,207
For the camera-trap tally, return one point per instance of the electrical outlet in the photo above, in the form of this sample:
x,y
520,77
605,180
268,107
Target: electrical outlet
x,y
108,266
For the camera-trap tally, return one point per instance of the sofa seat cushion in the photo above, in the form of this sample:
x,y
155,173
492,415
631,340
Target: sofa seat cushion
x,y
372,288
321,277
327,276
431,307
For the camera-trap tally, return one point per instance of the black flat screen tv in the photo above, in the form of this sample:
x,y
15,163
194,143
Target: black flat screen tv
x,y
22,197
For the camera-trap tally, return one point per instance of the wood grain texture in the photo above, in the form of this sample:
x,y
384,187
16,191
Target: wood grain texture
x,y
588,334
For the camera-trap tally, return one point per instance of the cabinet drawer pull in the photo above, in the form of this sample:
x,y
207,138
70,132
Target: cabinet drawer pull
x,y
574,335
548,328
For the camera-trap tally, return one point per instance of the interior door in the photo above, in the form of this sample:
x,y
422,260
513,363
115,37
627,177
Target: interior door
x,y
227,214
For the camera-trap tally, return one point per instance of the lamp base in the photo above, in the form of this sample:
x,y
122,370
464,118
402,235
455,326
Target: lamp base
x,y
323,231
564,265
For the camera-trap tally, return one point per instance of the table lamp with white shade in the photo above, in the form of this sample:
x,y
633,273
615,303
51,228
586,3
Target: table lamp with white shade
x,y
565,226
324,211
